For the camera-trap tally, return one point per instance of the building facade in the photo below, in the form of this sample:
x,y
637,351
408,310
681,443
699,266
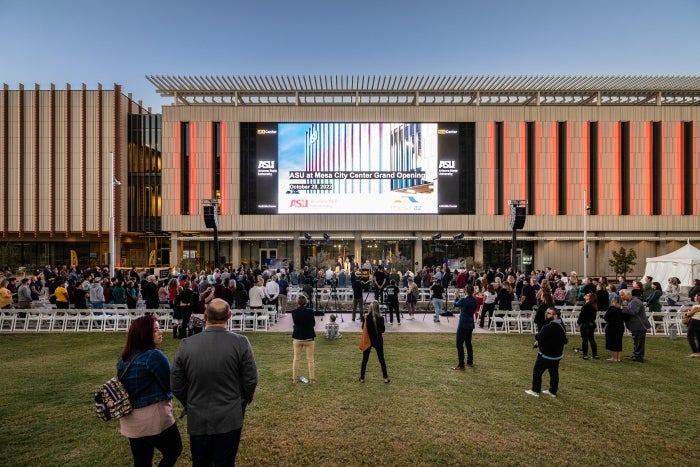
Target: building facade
x,y
402,170
56,150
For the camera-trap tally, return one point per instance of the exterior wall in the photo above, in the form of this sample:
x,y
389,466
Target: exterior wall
x,y
603,227
54,155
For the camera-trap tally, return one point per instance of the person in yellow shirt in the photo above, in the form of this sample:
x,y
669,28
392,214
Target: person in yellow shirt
x,y
5,295
61,294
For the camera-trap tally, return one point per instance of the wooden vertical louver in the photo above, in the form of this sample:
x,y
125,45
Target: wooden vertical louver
x,y
100,178
20,155
69,158
37,176
5,153
117,167
83,161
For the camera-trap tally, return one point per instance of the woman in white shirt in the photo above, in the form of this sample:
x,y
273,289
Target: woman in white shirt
x,y
257,294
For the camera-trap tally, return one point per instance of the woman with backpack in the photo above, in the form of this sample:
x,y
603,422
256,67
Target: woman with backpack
x,y
145,372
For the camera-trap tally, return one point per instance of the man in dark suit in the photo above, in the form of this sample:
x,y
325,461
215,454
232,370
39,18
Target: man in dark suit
x,y
214,376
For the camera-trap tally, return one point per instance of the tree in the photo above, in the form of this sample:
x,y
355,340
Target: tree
x,y
622,261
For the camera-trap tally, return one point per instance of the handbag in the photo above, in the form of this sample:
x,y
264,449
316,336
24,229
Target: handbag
x,y
112,399
365,342
686,319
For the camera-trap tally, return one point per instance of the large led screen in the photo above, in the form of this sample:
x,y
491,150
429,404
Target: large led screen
x,y
356,168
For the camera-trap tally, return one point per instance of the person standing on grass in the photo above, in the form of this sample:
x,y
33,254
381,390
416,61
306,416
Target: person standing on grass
x,y
214,376
586,322
145,373
694,328
374,325
614,328
637,322
467,306
303,335
550,341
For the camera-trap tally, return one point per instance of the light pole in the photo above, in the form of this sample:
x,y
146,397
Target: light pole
x,y
586,208
112,246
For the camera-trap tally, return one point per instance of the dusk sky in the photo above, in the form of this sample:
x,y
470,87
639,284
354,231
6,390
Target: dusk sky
x,y
80,41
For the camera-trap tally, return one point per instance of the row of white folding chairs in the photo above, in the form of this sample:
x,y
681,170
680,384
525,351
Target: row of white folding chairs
x,y
248,319
512,321
71,320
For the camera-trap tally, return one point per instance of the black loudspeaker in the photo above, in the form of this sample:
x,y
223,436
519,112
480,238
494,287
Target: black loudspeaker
x,y
210,217
517,217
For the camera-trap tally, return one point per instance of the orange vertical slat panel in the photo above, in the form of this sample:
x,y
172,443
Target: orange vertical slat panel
x,y
678,176
617,176
223,152
522,165
538,179
193,172
176,166
554,171
506,171
648,171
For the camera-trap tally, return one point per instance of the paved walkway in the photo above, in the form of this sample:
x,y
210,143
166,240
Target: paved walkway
x,y
419,324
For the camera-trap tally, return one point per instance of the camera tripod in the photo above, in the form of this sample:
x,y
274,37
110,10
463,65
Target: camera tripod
x,y
332,298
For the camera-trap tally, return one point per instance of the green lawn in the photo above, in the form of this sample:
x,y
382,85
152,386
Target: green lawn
x,y
606,413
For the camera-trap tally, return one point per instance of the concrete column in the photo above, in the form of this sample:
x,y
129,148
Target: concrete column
x,y
358,248
235,250
174,250
296,249
418,251
479,251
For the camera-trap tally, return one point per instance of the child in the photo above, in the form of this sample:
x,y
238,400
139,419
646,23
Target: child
x,y
332,329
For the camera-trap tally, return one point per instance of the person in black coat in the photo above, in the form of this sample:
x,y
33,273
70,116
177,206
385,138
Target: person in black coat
x,y
614,329
303,335
586,322
375,328
550,341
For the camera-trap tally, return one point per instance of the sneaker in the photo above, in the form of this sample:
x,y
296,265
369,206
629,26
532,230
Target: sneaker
x,y
595,357
532,393
546,391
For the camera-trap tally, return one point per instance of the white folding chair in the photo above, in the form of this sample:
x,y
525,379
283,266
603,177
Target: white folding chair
x,y
235,323
32,320
97,320
526,322
262,321
498,321
248,320
658,327
7,320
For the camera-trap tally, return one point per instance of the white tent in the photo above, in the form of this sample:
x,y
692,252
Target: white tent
x,y
684,263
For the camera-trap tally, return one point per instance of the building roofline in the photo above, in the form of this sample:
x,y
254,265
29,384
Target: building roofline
x,y
429,90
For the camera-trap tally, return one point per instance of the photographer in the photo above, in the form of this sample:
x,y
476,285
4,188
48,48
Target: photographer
x,y
357,292
551,341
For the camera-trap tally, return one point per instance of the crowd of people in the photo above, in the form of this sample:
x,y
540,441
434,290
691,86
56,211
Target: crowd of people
x,y
216,369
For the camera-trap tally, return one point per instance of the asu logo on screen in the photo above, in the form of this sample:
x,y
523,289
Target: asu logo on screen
x,y
299,203
447,165
266,164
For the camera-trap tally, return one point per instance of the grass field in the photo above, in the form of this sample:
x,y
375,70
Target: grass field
x,y
606,413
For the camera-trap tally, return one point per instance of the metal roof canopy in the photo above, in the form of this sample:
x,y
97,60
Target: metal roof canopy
x,y
265,90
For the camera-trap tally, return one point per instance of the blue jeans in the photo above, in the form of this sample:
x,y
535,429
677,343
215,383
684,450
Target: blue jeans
x,y
464,338
217,450
437,304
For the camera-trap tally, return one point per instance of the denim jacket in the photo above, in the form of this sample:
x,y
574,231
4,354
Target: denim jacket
x,y
148,378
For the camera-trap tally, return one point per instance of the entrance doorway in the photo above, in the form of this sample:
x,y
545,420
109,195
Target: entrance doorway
x,y
267,253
